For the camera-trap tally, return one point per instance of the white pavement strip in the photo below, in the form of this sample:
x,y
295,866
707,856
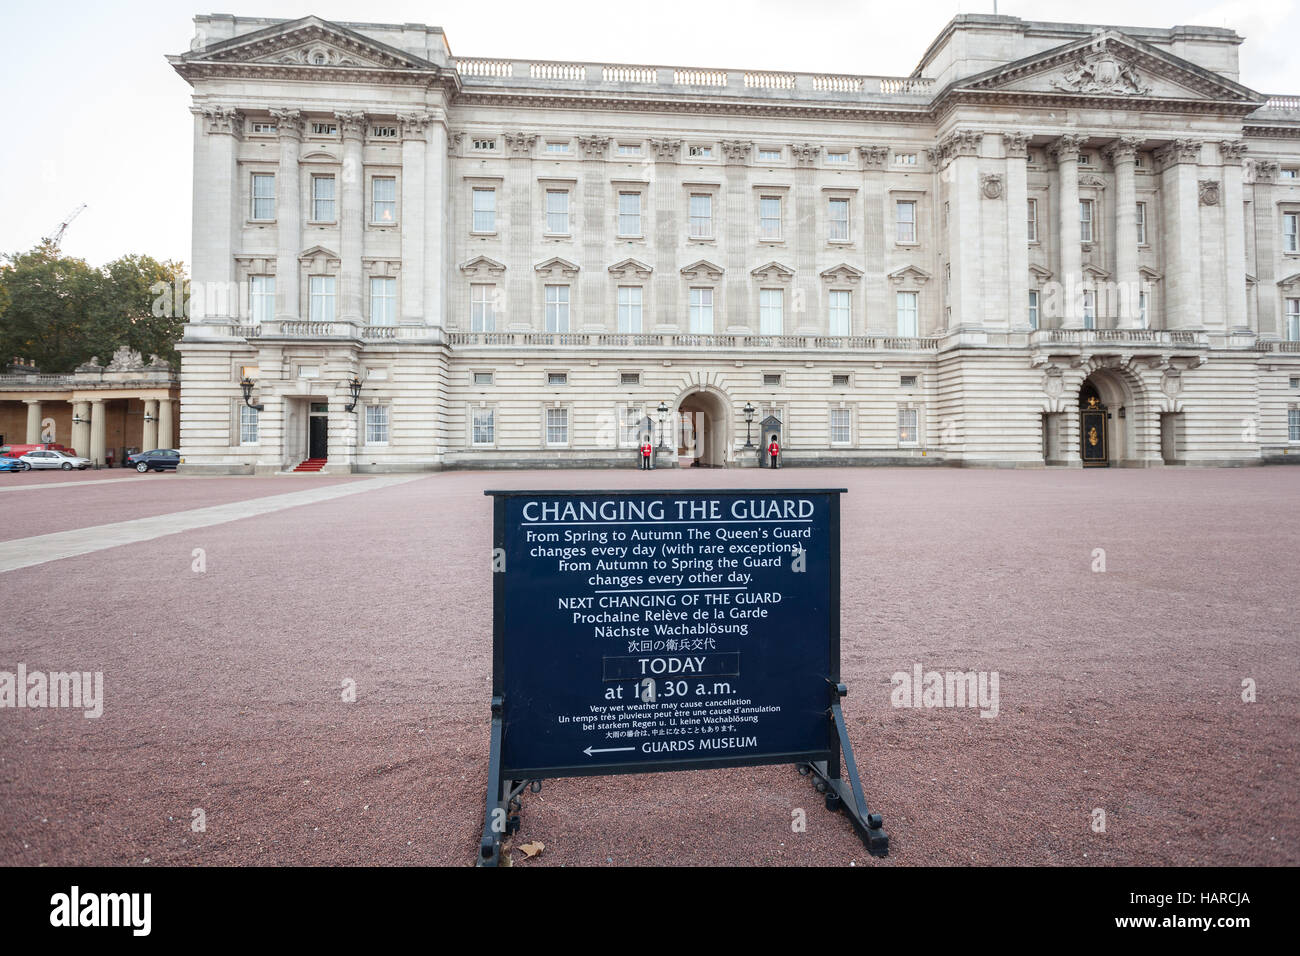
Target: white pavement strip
x,y
65,484
25,552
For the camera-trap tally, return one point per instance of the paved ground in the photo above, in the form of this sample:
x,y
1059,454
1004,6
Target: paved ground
x,y
1119,690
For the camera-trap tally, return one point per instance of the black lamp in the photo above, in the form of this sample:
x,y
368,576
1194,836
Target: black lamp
x,y
749,418
663,413
247,384
354,386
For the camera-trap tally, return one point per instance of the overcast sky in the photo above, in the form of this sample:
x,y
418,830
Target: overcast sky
x,y
91,111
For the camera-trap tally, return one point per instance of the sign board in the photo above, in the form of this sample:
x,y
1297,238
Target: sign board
x,y
666,630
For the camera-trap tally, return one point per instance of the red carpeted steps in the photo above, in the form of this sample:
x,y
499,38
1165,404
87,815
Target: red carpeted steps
x,y
311,464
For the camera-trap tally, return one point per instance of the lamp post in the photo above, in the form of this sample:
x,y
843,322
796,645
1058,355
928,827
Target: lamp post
x,y
663,413
749,419
246,384
354,388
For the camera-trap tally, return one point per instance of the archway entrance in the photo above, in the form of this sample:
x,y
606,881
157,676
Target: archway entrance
x,y
1106,411
702,431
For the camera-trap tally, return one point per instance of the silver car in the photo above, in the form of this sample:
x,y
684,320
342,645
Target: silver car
x,y
55,459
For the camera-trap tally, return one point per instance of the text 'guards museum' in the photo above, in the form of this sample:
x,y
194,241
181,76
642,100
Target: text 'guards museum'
x,y
1052,243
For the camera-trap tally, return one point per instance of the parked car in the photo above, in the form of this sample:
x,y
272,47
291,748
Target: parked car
x,y
49,458
160,459
17,451
12,464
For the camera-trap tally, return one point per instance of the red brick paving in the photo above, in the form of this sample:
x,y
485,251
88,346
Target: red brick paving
x,y
1119,691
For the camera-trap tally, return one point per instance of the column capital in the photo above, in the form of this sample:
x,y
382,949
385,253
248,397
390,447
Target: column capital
x,y
666,150
1066,148
221,120
737,151
962,142
1232,152
805,154
352,124
288,123
1123,149
413,125
1261,170
874,156
454,139
1016,145
1178,151
593,147
520,144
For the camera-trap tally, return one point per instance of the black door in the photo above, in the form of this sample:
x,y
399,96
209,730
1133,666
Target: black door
x,y
316,447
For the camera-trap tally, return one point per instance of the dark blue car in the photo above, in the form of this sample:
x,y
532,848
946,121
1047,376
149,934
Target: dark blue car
x,y
160,459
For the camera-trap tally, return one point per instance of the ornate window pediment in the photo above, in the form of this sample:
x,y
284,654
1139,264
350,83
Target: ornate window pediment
x,y
482,266
842,273
555,267
1150,275
704,269
773,272
1290,284
1095,273
631,268
320,258
909,275
1039,273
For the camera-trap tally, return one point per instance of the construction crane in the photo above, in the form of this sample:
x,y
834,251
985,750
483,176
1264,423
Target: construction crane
x,y
57,238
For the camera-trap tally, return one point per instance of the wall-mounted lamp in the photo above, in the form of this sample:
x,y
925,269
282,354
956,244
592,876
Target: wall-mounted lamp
x,y
749,419
78,420
354,387
1121,412
149,418
663,413
247,384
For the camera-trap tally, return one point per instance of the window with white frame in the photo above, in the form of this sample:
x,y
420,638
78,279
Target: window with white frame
x,y
841,426
837,157
557,426
383,132
557,147
837,218
1293,424
1085,220
483,378
483,145
320,291
383,199
482,311
1143,321
905,304
702,311
376,424
905,220
1142,223
557,212
263,196
840,379
701,216
769,217
322,198
485,210
629,308
1033,308
771,311
1090,310
700,152
907,426
1291,232
1032,220
383,300
839,311
483,426
261,298
1293,320
629,378
247,425
629,149
557,378
772,380
262,128
769,156
629,425
557,308
905,159
1289,172
629,214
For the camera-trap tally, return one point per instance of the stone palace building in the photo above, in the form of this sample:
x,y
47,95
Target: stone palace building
x,y
1050,244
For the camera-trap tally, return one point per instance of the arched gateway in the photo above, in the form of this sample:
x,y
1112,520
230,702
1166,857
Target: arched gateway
x,y
1107,420
703,421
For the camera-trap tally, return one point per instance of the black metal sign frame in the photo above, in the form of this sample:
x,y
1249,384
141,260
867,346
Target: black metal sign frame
x,y
840,784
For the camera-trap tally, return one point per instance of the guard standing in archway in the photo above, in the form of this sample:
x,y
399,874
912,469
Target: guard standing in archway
x,y
773,451
647,450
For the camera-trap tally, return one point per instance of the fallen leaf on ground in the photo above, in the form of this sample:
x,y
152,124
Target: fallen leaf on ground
x,y
532,849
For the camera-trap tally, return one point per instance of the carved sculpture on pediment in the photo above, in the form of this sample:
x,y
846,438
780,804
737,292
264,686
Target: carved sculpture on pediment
x,y
1102,71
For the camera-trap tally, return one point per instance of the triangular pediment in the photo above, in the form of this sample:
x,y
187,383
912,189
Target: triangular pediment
x,y
909,275
631,268
482,265
703,269
1041,273
842,273
773,271
318,252
309,42
1111,64
555,266
1290,282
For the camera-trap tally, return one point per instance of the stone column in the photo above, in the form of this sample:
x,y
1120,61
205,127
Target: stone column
x,y
218,214
807,204
288,215
880,315
1123,154
1234,237
352,126
149,433
436,203
98,432
515,225
1182,231
415,147
965,298
81,428
1016,146
33,421
166,424
1066,152
594,226
1267,237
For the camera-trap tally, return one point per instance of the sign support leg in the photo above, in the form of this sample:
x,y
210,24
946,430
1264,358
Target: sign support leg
x,y
847,795
497,816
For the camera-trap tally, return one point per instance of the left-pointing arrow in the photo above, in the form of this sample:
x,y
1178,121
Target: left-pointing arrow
x,y
605,750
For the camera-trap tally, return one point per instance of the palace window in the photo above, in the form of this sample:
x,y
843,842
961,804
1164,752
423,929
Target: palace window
x,y
321,295
1142,223
485,210
247,425
383,199
1090,310
907,426
905,159
557,308
557,426
1033,308
629,149
771,309
772,380
906,305
1032,221
557,147
324,129
841,428
769,217
482,311
1291,232
1293,424
905,220
557,378
838,157
702,311
483,145
629,424
1290,172
376,424
840,308
1085,220
383,132
838,220
1143,322
629,378
907,381
629,308
261,298
629,214
769,156
263,196
701,216
557,212
483,424
700,152
1293,320
322,198
383,301
840,380
482,378
265,129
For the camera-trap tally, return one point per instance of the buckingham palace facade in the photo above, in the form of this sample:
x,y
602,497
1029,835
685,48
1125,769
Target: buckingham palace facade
x,y
1052,244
